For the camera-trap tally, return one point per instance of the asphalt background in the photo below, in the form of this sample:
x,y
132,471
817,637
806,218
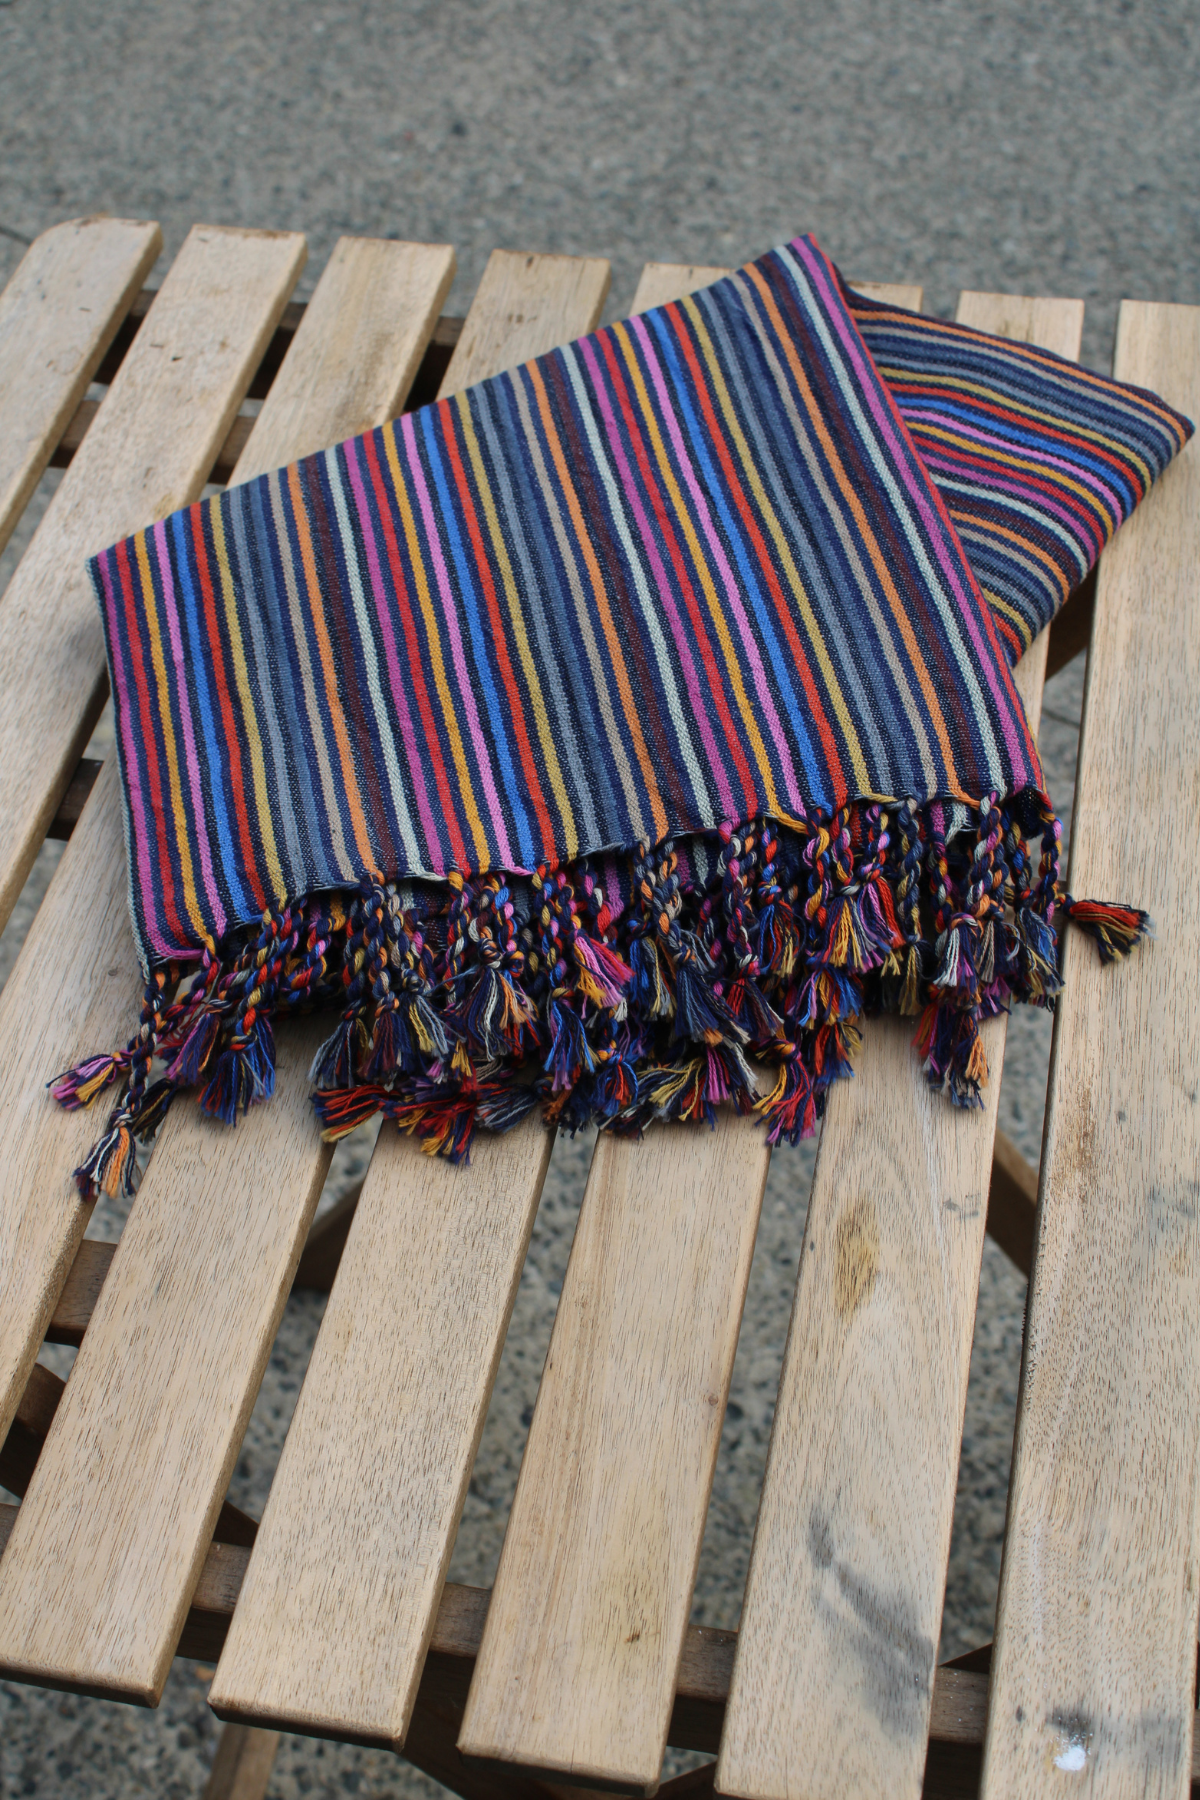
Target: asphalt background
x,y
1043,149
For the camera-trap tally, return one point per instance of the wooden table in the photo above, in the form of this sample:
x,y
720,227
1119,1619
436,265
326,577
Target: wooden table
x,y
580,1666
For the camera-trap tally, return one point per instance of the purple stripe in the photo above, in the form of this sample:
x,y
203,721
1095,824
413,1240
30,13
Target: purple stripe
x,y
937,526
466,692
126,710
185,720
717,551
678,630
353,450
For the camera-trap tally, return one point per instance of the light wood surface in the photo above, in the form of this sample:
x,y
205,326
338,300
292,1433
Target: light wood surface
x,y
525,305
344,1587
71,991
1095,1655
58,315
660,283
76,989
243,1765
958,1714
149,451
339,1600
576,1675
215,1234
834,1674
357,350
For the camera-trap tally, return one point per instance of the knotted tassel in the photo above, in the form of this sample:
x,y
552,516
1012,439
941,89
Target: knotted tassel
x,y
111,1164
790,1108
1115,930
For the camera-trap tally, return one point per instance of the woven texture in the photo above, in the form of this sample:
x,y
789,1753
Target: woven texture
x,y
627,712
1038,460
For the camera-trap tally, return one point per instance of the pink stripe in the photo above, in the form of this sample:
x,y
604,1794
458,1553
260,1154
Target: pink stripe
x,y
185,720
125,712
1043,458
1078,524
395,679
974,611
679,632
717,551
434,549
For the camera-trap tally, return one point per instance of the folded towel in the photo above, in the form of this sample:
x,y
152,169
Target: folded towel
x,y
637,711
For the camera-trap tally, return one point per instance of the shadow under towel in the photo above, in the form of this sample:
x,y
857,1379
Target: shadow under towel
x,y
635,713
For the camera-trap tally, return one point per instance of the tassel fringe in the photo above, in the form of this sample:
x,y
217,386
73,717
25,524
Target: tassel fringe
x,y
505,992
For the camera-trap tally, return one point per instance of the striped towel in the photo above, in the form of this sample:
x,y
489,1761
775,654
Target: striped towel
x,y
641,711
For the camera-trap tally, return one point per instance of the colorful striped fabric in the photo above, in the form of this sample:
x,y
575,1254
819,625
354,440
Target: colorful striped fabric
x,y
627,712
1038,460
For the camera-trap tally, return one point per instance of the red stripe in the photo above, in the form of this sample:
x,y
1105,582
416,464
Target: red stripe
x,y
499,636
994,410
405,610
627,413
158,807
837,775
228,717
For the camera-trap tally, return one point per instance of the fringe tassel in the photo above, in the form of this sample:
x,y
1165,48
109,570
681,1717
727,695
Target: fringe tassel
x,y
627,1007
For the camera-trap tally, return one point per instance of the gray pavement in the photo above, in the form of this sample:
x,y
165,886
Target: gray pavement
x,y
990,146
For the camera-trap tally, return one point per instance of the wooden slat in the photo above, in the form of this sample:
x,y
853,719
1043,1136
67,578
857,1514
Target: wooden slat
x,y
1095,1653
576,1676
20,1450
75,987
243,1765
149,451
1012,1202
959,1696
336,1611
660,283
58,315
357,1533
834,1674
153,1416
596,1575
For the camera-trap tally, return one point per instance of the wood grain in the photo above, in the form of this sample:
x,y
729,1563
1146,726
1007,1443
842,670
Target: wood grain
x,y
834,1675
525,304
358,1530
58,316
355,352
957,1716
576,1676
148,452
215,1234
1095,1653
73,991
337,1607
660,283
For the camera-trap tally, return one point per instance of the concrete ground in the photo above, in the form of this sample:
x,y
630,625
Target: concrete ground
x,y
989,146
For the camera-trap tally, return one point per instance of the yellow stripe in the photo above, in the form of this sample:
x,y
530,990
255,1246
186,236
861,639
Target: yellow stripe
x,y
905,378
520,635
1009,459
262,799
400,489
587,550
168,730
852,500
786,562
701,569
